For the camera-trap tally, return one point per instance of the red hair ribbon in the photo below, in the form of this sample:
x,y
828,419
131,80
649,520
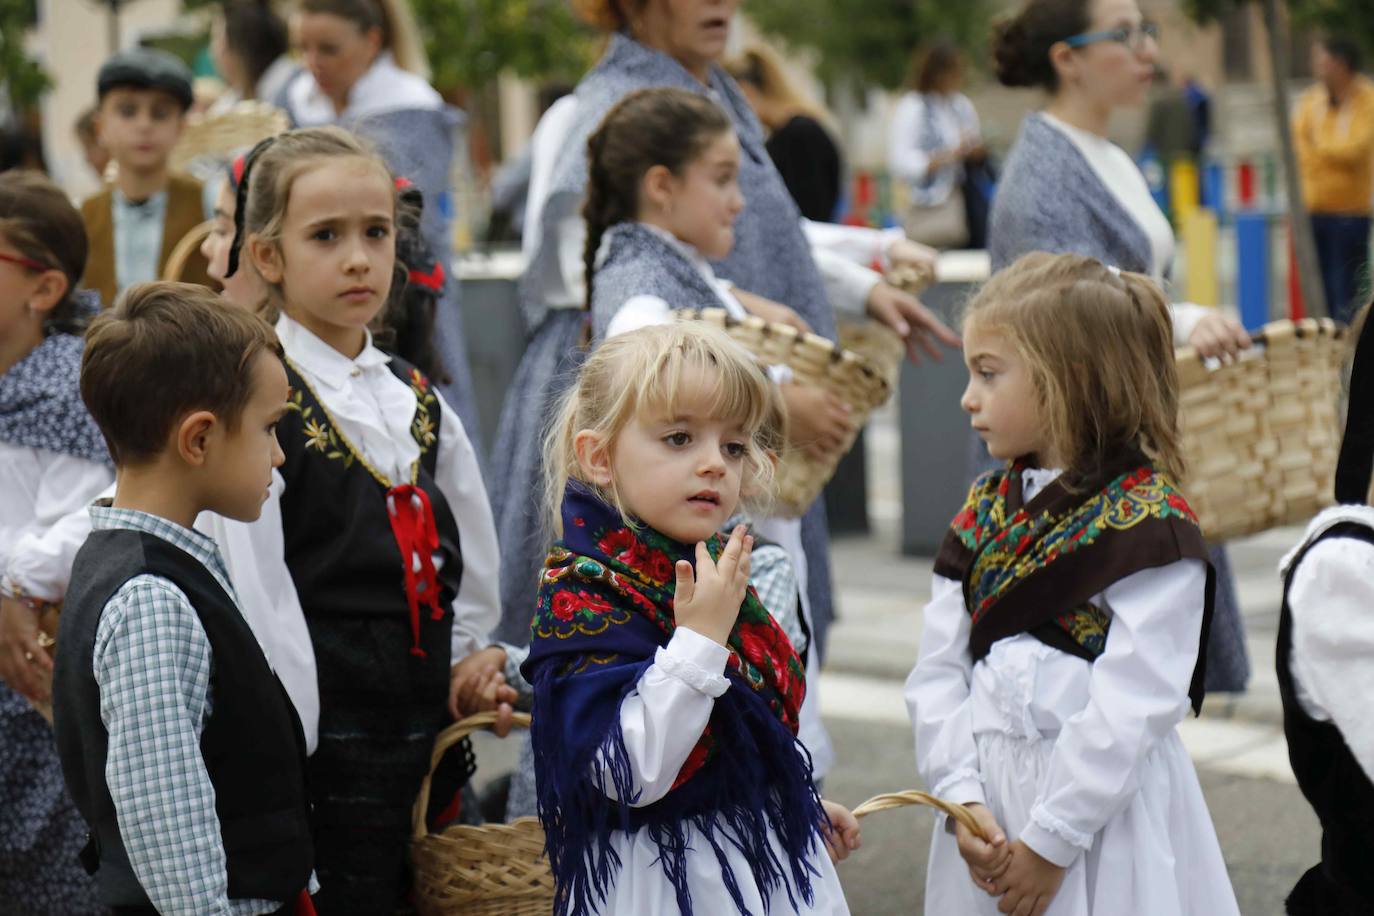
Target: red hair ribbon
x,y
417,536
403,182
433,280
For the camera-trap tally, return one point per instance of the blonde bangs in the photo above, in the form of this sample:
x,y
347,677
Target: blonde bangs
x,y
657,372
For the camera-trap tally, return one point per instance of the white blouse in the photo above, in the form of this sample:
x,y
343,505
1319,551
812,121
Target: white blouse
x,y
43,521
384,87
1104,717
1329,602
661,721
955,123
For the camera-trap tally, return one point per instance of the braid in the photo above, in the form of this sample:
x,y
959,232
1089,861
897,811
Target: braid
x,y
668,127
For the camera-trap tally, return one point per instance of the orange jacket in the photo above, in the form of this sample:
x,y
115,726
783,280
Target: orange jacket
x,y
1336,149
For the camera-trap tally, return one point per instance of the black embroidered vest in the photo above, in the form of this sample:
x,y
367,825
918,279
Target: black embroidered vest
x,y
252,743
1332,780
340,548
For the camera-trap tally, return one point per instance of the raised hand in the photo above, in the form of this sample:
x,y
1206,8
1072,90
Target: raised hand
x,y
987,861
709,601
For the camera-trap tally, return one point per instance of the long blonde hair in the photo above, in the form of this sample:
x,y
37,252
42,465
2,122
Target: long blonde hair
x,y
647,371
1099,345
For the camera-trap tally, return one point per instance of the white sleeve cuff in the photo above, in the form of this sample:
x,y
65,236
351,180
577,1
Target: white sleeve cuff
x,y
1186,316
695,660
1053,840
963,787
847,284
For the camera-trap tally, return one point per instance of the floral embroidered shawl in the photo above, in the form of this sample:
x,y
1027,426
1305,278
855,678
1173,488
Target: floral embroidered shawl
x,y
605,607
1034,568
41,406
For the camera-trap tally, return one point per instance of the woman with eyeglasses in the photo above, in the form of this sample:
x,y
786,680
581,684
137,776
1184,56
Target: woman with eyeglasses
x,y
1066,187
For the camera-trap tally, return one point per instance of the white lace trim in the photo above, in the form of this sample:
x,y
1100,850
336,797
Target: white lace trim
x,y
1054,825
691,674
962,775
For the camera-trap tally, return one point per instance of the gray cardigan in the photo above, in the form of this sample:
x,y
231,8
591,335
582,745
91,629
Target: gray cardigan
x,y
1050,198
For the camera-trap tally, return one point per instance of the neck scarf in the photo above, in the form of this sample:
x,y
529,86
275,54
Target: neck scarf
x,y
40,402
605,607
1034,567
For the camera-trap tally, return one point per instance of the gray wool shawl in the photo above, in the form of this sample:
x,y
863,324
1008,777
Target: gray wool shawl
x,y
638,262
1049,198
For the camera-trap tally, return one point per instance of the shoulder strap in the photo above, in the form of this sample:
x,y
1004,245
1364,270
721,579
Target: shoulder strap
x,y
1356,464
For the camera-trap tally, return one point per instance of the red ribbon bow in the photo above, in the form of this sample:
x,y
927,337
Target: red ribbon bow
x,y
417,536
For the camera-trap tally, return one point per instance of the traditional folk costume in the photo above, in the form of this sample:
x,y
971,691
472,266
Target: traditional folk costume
x,y
160,673
414,130
1060,650
378,521
670,779
53,462
1066,190
1325,641
771,257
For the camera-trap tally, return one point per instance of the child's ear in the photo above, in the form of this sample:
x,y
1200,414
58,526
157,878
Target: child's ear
x,y
52,287
593,457
192,437
657,187
266,258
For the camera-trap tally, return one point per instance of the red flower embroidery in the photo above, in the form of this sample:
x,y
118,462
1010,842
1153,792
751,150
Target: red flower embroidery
x,y
564,605
657,567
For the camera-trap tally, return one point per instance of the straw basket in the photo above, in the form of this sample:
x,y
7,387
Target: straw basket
x,y
1261,434
221,135
853,378
909,798
491,870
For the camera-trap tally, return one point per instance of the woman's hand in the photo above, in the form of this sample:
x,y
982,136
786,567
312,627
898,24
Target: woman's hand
x,y
818,422
772,311
24,664
1029,884
478,684
987,861
709,600
913,255
842,836
913,322
1219,335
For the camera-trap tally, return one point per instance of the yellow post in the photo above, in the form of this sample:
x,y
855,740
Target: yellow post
x,y
1183,190
1200,245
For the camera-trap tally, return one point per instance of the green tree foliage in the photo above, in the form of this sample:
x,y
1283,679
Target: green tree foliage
x,y
20,76
871,41
1349,18
470,42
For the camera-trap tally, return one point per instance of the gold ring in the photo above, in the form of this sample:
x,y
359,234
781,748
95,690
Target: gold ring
x,y
28,656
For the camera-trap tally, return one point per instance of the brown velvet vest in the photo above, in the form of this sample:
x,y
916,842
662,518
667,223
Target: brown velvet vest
x,y
185,211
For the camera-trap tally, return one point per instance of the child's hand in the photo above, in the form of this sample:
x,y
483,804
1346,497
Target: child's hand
x,y
1029,883
477,684
24,664
772,311
986,861
843,836
709,603
817,420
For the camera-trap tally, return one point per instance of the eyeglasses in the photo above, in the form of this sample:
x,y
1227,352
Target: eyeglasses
x,y
1133,37
22,261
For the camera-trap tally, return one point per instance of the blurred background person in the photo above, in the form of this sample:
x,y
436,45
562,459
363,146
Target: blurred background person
x,y
1334,133
248,42
933,140
800,145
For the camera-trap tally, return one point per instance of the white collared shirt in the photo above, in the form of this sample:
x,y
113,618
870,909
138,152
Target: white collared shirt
x,y
384,87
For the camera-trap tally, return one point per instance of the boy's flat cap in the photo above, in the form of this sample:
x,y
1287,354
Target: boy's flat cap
x,y
146,68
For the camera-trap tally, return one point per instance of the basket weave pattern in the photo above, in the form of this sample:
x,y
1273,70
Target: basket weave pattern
x,y
853,378
223,134
1261,434
487,870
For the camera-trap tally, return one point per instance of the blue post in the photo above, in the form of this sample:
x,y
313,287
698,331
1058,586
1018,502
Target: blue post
x,y
1252,269
1214,188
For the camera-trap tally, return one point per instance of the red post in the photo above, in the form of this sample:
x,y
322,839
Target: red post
x,y
1296,310
1245,185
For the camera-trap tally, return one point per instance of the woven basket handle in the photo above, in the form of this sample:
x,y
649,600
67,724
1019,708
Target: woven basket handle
x,y
890,800
447,739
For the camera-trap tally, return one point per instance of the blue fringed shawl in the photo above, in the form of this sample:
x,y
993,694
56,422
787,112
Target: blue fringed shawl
x,y
604,609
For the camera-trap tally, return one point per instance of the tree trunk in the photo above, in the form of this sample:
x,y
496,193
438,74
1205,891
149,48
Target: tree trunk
x,y
1309,272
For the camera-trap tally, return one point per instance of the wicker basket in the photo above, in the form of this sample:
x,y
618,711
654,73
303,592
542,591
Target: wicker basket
x,y
909,798
1261,434
220,136
853,378
491,870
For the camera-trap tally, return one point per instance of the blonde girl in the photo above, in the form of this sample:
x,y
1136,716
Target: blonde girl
x,y
377,519
666,698
1061,644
